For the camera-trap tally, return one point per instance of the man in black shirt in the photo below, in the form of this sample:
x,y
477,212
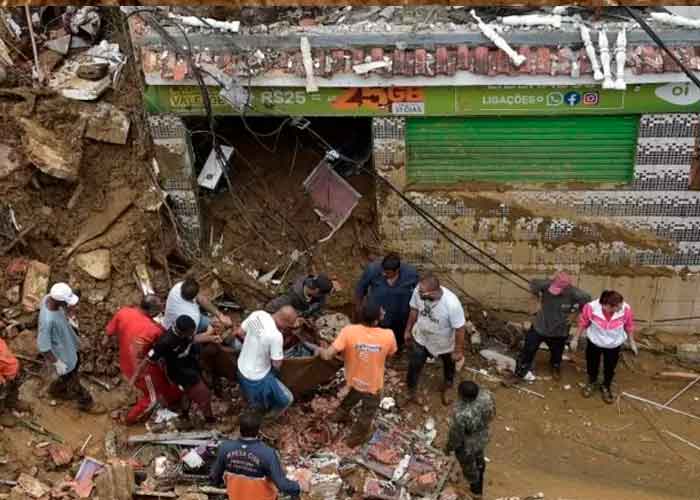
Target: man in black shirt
x,y
174,349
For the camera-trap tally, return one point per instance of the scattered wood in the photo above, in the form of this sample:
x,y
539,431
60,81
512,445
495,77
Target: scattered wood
x,y
155,494
74,197
17,239
33,426
7,482
676,375
173,437
497,379
659,405
683,440
84,446
679,393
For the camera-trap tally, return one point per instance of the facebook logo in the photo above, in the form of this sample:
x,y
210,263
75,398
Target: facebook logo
x,y
572,98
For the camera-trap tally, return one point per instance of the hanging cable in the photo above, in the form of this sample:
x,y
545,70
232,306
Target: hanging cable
x,y
652,34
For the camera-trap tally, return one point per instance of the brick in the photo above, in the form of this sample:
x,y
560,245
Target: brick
x,y
377,54
421,66
493,65
481,60
358,56
528,67
441,61
399,62
410,63
543,61
463,58
504,66
451,62
36,285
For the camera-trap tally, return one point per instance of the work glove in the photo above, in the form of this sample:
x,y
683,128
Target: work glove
x,y
573,344
633,347
61,367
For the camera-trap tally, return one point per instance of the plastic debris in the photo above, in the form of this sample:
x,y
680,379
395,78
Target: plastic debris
x,y
387,403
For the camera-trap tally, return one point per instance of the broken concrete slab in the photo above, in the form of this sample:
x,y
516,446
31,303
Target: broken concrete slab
x,y
58,156
36,285
689,353
117,202
66,82
32,486
107,123
10,160
60,45
97,263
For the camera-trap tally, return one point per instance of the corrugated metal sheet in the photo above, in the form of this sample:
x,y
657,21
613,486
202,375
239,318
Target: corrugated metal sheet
x,y
521,149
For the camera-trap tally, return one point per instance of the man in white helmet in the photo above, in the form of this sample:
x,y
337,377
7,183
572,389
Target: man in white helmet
x,y
59,343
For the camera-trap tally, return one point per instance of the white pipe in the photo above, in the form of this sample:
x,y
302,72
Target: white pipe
x,y
590,52
605,59
498,40
533,20
196,22
620,58
675,20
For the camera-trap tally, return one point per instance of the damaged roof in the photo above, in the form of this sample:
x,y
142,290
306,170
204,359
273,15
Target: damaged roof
x,y
407,43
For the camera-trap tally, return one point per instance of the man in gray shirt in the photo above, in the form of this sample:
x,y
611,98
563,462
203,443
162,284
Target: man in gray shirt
x,y
558,300
59,343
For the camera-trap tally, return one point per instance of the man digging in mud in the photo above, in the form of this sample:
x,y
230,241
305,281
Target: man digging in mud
x,y
365,348
469,433
558,300
59,343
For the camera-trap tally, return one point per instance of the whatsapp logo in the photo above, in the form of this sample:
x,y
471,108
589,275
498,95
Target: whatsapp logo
x,y
555,99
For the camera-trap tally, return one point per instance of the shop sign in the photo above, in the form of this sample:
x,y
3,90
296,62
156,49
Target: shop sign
x,y
436,101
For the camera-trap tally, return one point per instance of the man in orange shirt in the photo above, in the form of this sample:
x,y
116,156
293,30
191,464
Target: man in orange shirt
x,y
136,332
10,380
365,348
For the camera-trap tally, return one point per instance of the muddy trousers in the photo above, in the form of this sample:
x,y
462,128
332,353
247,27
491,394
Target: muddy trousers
x,y
68,387
9,393
200,395
533,340
416,361
610,359
155,388
370,405
473,468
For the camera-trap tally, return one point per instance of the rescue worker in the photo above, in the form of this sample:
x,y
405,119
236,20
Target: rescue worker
x,y
10,381
136,332
58,341
365,348
438,317
469,433
182,367
307,295
558,300
389,283
185,298
261,358
249,468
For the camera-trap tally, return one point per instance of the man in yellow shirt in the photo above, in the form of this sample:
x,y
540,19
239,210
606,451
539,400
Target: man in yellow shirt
x,y
365,348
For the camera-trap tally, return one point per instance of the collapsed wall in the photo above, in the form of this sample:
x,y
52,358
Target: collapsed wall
x,y
642,237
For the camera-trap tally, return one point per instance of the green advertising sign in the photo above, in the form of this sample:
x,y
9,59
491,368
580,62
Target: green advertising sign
x,y
436,101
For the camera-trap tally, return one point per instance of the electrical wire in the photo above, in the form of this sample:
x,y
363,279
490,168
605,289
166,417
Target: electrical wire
x,y
652,34
440,227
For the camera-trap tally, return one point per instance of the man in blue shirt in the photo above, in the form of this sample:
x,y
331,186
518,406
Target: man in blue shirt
x,y
251,469
390,284
59,343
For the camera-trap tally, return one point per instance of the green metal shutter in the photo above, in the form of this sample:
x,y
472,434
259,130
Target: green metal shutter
x,y
521,149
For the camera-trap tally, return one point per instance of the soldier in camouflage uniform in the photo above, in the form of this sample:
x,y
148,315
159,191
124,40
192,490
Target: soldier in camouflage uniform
x,y
469,433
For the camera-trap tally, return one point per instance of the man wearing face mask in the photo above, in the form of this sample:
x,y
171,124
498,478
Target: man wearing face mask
x,y
388,283
436,324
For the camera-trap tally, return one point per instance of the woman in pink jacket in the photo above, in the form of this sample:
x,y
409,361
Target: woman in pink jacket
x,y
608,324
